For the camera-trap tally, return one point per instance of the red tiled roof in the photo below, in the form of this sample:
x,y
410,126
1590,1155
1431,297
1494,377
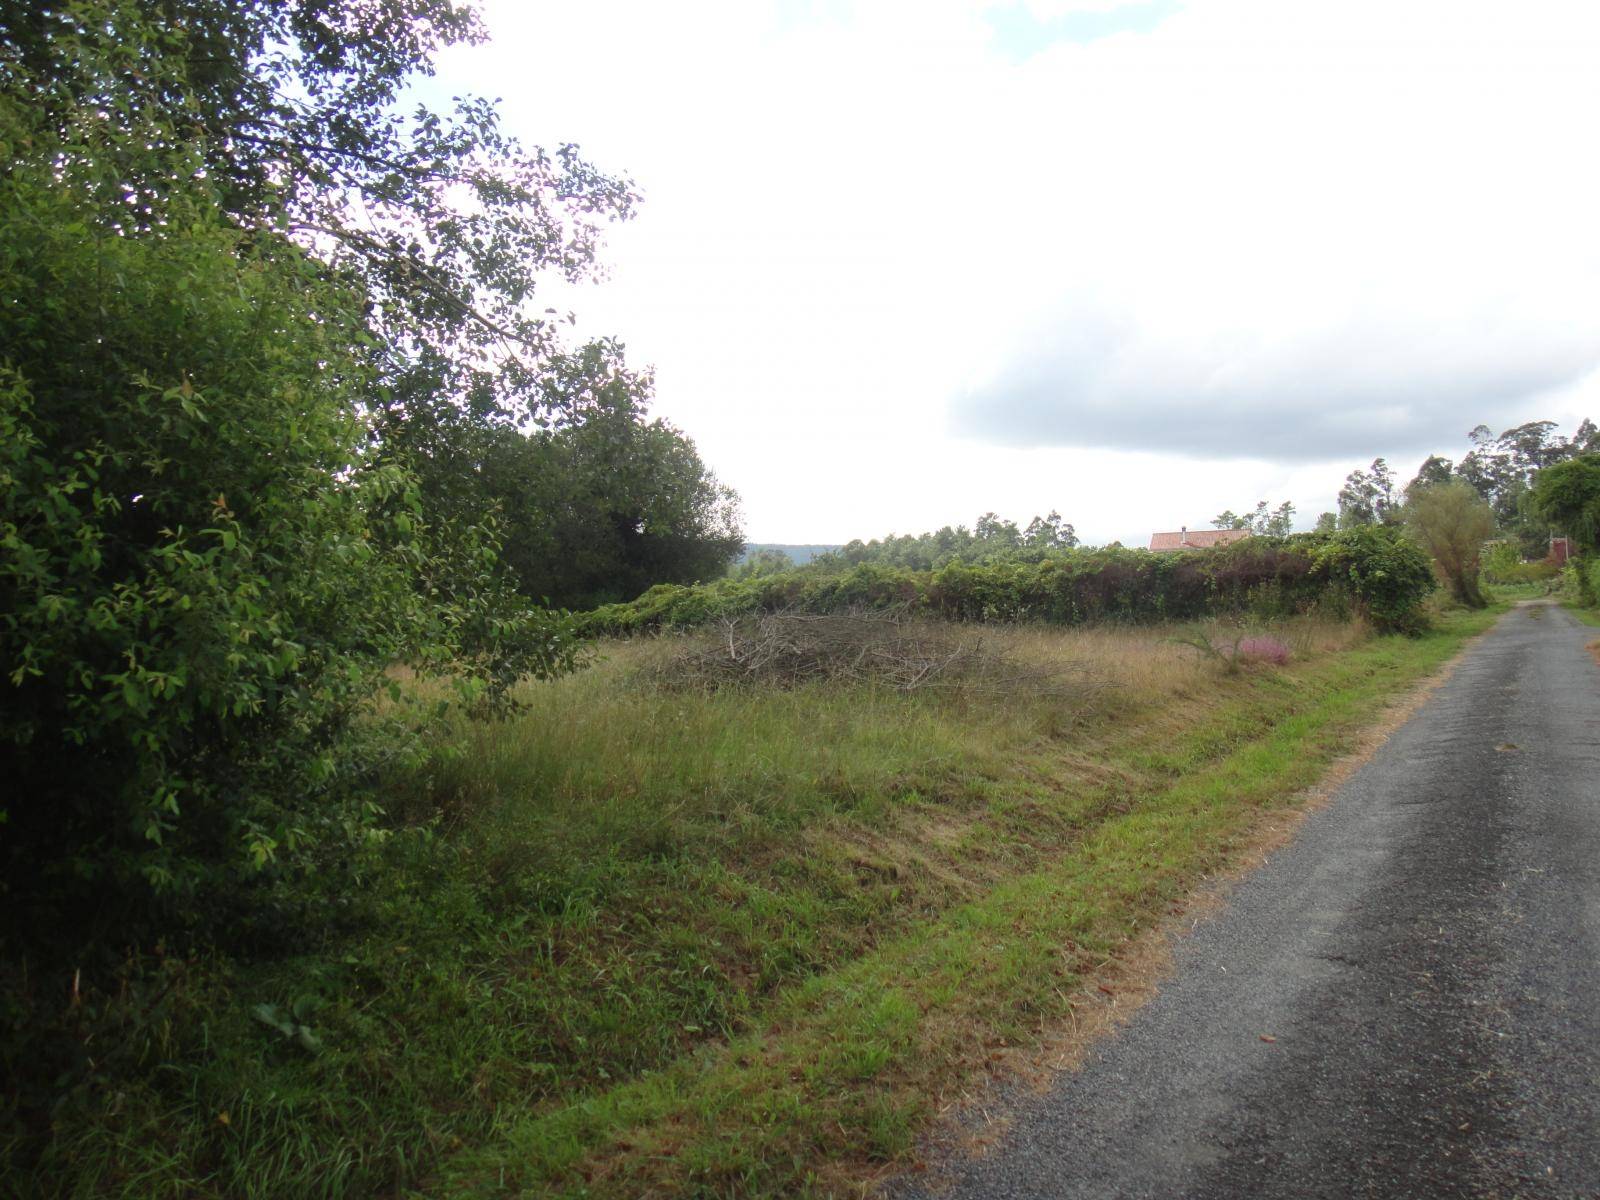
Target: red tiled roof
x,y
1196,539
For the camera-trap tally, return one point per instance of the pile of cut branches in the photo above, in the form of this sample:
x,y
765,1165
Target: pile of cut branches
x,y
791,649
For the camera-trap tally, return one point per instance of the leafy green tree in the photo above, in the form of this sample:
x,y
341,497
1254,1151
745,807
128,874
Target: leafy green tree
x,y
1567,495
992,539
1278,522
1049,532
206,569
601,507
1451,522
1434,471
203,579
1502,468
1368,498
293,108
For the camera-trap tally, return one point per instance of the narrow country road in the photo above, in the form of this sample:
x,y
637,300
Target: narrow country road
x,y
1425,957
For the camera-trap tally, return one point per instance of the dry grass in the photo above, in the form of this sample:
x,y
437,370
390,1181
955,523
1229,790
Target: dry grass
x,y
893,650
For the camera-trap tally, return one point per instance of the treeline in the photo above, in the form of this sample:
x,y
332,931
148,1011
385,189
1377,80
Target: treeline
x,y
1513,492
1500,468
1375,570
991,539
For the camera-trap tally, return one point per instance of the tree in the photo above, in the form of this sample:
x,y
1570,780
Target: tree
x,y
446,223
1049,533
1367,497
1433,472
602,508
762,563
1278,522
203,575
994,531
1384,571
992,539
1327,522
1502,469
234,253
1567,495
1451,522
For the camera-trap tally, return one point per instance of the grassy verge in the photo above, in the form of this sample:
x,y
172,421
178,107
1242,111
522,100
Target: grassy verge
x,y
1589,616
733,943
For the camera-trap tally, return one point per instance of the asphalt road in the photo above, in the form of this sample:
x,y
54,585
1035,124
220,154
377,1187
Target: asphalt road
x,y
1426,955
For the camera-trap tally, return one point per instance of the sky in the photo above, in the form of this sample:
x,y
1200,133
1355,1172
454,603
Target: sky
x,y
902,262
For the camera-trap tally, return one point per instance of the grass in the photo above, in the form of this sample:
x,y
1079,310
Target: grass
x,y
1584,613
725,943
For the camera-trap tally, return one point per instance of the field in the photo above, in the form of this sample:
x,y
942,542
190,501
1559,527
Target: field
x,y
656,936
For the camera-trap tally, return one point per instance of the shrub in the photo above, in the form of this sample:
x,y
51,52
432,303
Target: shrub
x,y
1263,577
1385,573
1262,649
203,574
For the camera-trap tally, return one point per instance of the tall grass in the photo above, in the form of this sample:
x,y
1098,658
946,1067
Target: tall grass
x,y
630,880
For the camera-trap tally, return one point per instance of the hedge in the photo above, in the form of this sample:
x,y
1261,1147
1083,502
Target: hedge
x,y
1373,570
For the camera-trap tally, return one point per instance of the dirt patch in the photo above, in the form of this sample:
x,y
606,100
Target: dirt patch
x,y
975,1121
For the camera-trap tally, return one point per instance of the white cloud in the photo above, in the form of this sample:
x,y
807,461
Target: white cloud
x,y
877,257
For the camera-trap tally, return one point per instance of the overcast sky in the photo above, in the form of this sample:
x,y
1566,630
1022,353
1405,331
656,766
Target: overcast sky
x,y
901,263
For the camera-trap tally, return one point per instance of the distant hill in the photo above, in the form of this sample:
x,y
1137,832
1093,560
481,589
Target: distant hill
x,y
800,554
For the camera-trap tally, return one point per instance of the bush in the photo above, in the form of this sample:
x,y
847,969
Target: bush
x,y
1580,579
1261,648
203,576
1385,573
1542,571
1265,577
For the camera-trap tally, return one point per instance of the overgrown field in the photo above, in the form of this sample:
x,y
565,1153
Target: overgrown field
x,y
669,933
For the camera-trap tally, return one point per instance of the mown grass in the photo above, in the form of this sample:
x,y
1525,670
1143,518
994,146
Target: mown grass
x,y
730,943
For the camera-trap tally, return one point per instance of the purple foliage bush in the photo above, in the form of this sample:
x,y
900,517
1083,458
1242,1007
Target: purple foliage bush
x,y
1263,649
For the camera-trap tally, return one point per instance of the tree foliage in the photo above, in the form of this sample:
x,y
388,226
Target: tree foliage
x,y
1263,522
1567,494
1382,570
1368,497
292,110
223,254
203,577
991,539
1451,522
610,502
766,561
1501,468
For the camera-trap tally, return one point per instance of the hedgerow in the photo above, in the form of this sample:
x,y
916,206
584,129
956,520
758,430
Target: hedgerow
x,y
1372,570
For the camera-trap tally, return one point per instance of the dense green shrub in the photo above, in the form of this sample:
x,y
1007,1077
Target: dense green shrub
x,y
1376,571
1580,579
1385,573
203,577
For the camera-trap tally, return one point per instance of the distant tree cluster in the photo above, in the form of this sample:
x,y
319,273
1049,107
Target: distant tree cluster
x,y
1522,486
991,539
1263,522
1499,468
1502,468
